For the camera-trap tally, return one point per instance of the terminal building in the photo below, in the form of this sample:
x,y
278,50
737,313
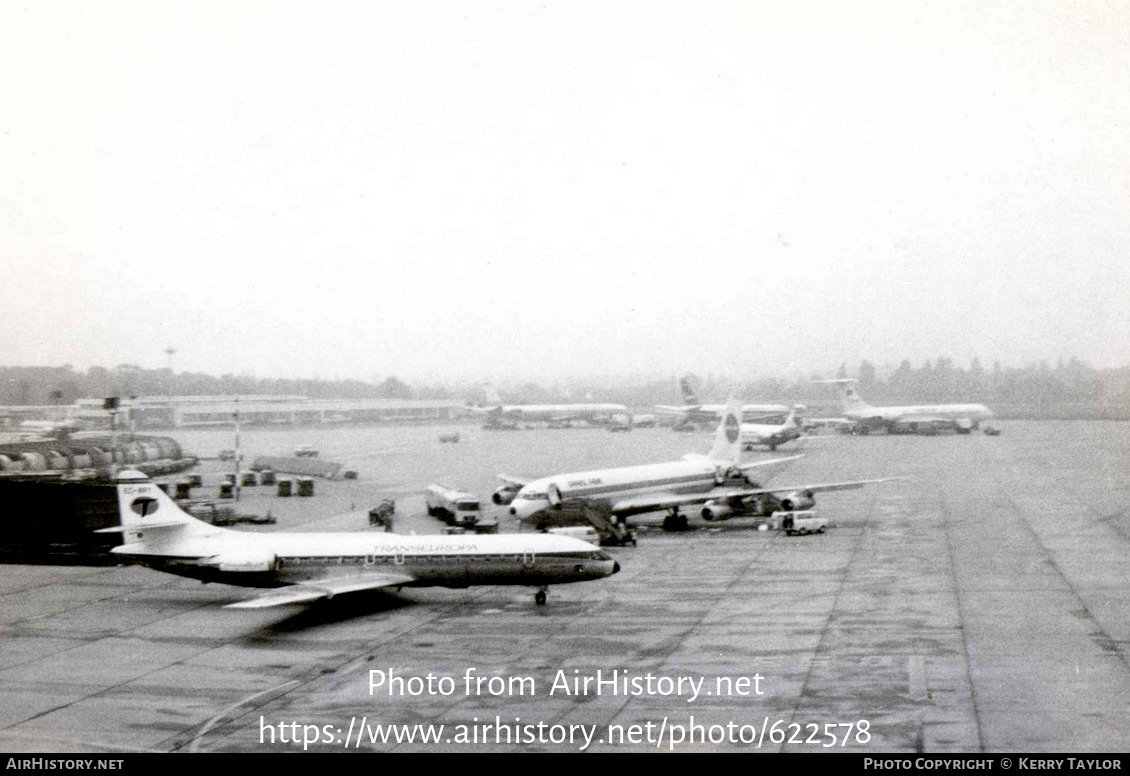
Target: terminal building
x,y
147,412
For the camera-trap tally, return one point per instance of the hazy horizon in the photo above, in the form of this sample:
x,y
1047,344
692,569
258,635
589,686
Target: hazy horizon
x,y
461,191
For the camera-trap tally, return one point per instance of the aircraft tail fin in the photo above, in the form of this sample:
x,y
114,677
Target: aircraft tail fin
x,y
728,438
143,508
689,396
492,396
790,421
849,396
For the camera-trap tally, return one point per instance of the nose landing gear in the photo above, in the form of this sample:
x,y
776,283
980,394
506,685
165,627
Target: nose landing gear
x,y
539,596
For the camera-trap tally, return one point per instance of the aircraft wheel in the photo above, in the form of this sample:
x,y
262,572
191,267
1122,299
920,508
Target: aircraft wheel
x,y
539,598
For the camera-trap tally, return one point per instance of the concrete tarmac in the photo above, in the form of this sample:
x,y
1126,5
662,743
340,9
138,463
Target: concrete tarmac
x,y
981,604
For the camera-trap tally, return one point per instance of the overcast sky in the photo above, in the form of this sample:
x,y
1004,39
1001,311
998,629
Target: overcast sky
x,y
538,189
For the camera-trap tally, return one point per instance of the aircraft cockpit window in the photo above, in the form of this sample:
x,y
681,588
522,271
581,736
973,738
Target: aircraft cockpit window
x,y
536,496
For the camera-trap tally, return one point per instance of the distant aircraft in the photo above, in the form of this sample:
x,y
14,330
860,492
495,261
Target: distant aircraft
x,y
915,419
57,429
771,435
309,566
557,414
606,498
696,412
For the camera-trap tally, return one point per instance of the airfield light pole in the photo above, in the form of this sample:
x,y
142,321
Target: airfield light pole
x,y
110,404
172,410
238,452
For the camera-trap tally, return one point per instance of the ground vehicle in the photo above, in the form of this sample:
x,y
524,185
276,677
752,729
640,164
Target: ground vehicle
x,y
620,423
305,451
382,514
454,507
805,522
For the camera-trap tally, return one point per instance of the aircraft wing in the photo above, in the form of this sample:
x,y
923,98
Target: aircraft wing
x,y
744,467
660,501
322,588
519,481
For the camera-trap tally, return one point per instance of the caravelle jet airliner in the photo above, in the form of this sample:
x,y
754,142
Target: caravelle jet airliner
x,y
915,419
606,498
304,567
771,435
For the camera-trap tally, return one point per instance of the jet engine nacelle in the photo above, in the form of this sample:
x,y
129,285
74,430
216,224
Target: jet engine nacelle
x,y
504,495
714,512
246,561
798,500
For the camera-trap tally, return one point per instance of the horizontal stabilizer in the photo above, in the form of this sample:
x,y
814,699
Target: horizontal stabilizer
x,y
142,526
327,588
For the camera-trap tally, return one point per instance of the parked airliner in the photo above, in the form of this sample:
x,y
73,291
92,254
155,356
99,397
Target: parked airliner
x,y
769,434
305,567
693,411
915,419
607,497
554,413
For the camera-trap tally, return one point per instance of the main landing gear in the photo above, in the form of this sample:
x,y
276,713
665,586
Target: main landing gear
x,y
539,596
675,521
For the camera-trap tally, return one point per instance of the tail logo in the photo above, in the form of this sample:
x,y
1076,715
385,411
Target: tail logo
x,y
732,429
144,505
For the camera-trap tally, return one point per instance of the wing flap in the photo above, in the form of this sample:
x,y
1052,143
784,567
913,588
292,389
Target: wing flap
x,y
326,588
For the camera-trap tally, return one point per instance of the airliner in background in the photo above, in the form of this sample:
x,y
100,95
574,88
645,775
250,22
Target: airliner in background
x,y
914,419
771,435
606,498
303,567
694,411
555,414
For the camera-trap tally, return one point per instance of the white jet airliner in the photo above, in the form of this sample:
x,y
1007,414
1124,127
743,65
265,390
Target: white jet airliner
x,y
561,414
915,419
308,566
606,498
769,434
694,411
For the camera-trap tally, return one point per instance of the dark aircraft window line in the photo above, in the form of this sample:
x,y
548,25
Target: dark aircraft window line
x,y
403,558
600,489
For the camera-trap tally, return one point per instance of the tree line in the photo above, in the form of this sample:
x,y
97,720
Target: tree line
x,y
1068,389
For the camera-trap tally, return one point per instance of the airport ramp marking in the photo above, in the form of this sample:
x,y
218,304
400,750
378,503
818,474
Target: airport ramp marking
x,y
192,747
916,678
